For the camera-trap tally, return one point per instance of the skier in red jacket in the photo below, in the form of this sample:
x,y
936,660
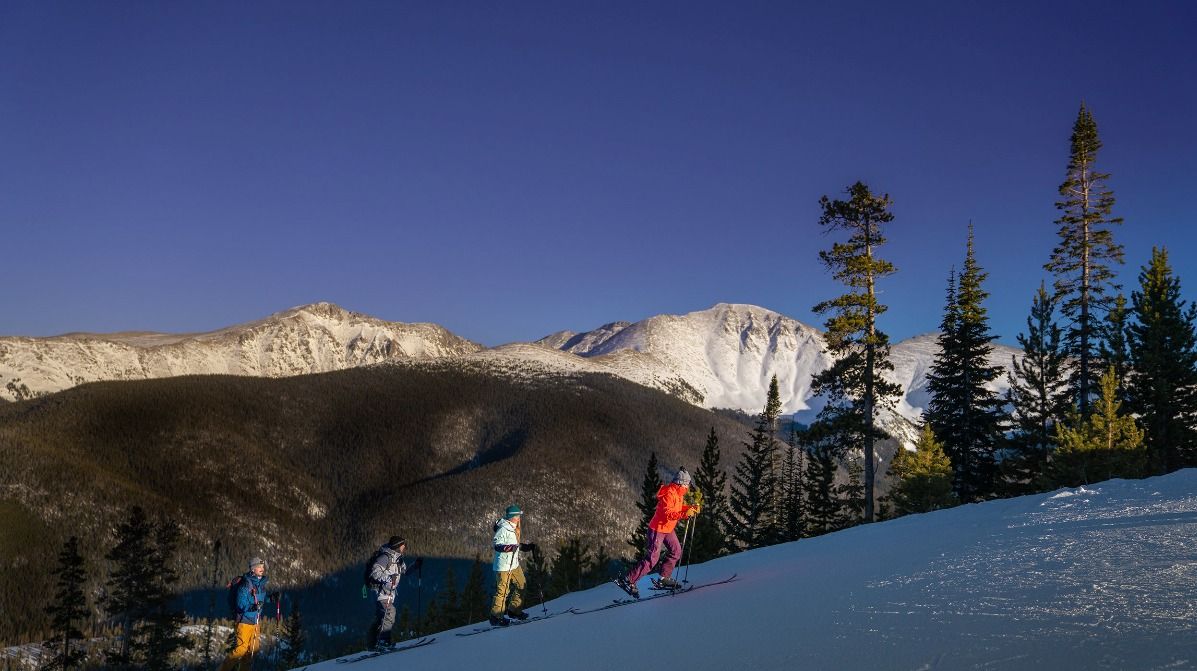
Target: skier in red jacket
x,y
671,507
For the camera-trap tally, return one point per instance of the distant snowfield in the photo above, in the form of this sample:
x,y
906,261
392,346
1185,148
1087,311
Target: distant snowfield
x,y
1098,577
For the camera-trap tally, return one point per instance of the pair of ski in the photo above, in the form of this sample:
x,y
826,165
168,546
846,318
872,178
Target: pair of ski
x,y
427,640
660,592
513,623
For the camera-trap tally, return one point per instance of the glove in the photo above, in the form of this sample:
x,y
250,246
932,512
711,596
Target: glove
x,y
254,607
528,547
692,511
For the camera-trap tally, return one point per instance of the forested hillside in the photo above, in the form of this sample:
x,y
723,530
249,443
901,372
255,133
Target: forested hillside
x,y
314,471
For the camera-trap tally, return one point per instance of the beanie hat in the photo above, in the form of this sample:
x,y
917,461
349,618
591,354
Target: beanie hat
x,y
512,511
396,541
682,478
255,561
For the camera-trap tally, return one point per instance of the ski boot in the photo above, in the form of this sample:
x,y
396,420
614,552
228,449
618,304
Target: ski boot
x,y
517,615
666,583
498,621
629,587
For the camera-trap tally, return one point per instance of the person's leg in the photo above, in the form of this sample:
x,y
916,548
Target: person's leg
x,y
240,657
652,552
517,590
387,623
376,626
502,584
673,552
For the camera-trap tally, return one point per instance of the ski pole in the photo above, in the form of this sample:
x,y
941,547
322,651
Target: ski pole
x,y
419,594
687,550
537,558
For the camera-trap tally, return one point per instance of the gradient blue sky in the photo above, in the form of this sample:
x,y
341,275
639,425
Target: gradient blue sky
x,y
509,169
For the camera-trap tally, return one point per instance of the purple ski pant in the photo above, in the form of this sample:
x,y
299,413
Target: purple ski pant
x,y
673,552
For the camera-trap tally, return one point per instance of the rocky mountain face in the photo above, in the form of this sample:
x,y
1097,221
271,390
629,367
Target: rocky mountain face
x,y
309,339
728,353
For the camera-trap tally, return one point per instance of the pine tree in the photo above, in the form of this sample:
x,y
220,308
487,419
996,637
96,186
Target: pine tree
x,y
791,513
69,608
860,349
164,621
709,539
965,414
404,625
923,478
474,601
573,562
752,505
647,506
1113,349
1105,445
600,568
1082,259
823,510
131,586
1162,388
1038,394
295,638
448,603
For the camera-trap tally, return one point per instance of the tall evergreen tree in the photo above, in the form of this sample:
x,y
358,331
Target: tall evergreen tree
x,y
131,585
1105,445
164,619
647,506
791,512
823,510
1113,349
1162,389
1038,394
710,529
294,638
923,478
573,563
965,414
448,601
1081,262
69,609
860,349
752,503
474,601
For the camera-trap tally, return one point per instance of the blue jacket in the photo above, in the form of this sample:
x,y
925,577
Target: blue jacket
x,y
251,598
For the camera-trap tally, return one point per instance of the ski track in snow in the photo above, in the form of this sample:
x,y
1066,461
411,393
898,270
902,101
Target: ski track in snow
x,y
1101,577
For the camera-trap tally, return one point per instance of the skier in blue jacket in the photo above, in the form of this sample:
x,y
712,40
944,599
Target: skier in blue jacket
x,y
251,597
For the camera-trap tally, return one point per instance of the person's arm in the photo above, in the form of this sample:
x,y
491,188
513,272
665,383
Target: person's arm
x,y
245,600
505,540
378,573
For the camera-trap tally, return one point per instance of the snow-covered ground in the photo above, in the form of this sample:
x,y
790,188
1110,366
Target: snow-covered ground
x,y
1102,577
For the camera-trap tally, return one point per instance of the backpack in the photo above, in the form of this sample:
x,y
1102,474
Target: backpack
x,y
367,581
234,586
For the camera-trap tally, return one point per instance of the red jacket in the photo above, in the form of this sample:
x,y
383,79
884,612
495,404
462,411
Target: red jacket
x,y
671,507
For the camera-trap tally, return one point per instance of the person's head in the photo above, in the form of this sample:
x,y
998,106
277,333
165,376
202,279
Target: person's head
x,y
257,567
682,478
513,514
397,543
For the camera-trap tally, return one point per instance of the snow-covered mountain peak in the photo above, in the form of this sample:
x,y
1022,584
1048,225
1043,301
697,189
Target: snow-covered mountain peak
x,y
306,339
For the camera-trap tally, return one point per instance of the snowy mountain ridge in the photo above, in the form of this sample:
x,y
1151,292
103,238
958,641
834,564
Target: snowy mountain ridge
x,y
721,357
1095,577
728,353
308,339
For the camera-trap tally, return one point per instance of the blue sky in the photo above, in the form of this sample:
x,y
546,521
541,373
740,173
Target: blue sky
x,y
511,169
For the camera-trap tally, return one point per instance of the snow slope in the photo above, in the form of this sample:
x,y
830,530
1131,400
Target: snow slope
x,y
1096,577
